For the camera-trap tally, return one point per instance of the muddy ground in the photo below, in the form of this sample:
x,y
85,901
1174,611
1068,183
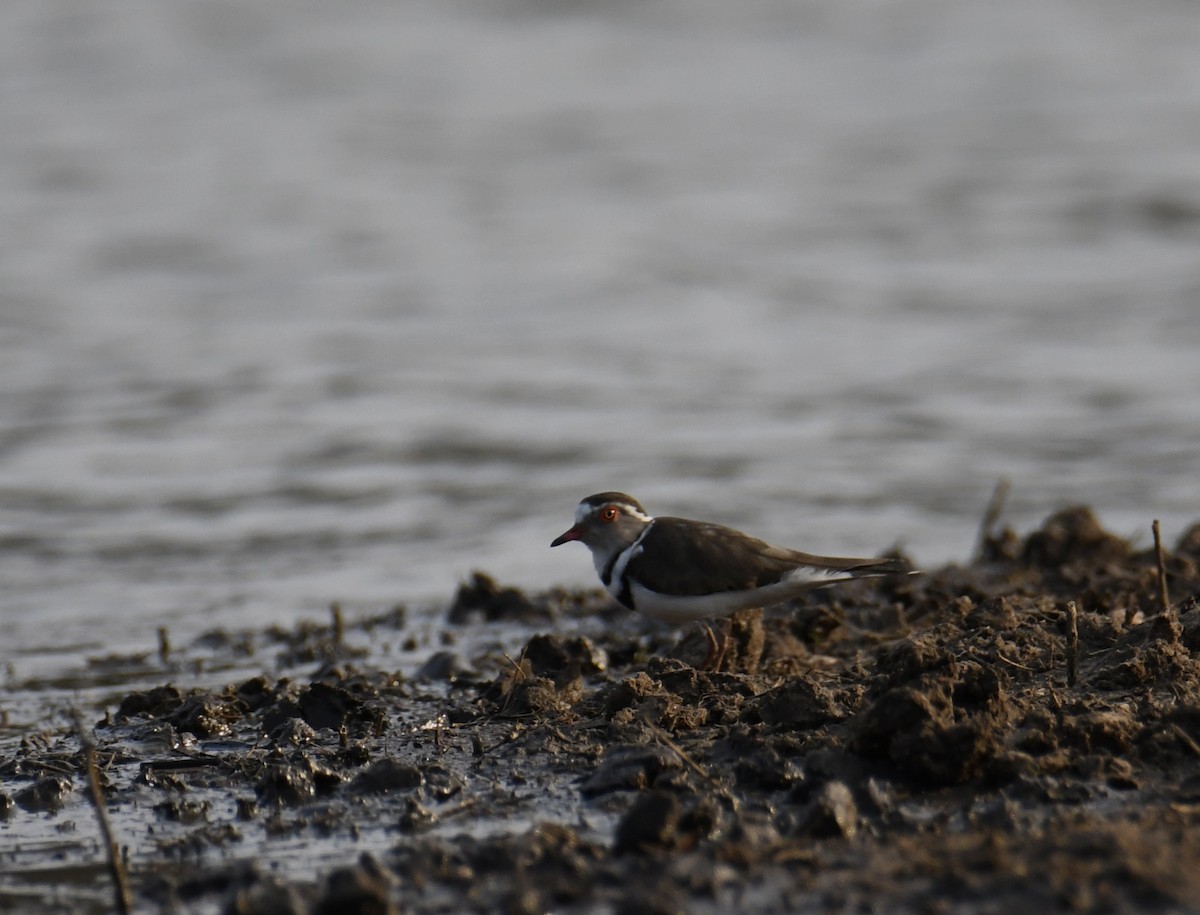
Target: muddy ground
x,y
919,744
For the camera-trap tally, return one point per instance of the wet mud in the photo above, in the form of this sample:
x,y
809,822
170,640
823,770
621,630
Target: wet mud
x,y
1022,733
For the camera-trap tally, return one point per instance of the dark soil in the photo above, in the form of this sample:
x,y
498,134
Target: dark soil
x,y
904,745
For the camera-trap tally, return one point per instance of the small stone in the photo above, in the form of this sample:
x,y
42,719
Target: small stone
x,y
831,813
629,766
650,823
386,775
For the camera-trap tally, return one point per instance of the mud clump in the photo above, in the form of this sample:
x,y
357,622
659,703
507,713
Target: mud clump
x,y
1073,535
799,703
481,598
44,795
940,728
908,746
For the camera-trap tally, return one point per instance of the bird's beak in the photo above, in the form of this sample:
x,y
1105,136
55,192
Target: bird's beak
x,y
574,533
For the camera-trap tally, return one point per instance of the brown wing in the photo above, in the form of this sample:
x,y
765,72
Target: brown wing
x,y
694,557
687,557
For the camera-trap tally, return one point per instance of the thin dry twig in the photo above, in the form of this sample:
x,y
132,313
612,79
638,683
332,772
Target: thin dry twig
x,y
1186,739
1072,643
164,644
116,866
337,625
1013,663
665,738
1163,594
519,673
991,515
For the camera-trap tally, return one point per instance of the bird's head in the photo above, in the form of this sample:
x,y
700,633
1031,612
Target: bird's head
x,y
607,523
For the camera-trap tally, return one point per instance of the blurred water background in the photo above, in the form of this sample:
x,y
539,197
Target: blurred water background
x,y
304,302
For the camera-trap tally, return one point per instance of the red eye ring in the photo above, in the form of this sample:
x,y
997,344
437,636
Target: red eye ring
x,y
609,513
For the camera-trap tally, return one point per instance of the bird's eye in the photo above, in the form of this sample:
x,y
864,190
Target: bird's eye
x,y
609,513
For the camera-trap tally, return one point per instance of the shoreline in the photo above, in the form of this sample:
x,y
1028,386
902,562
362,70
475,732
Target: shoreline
x,y
912,743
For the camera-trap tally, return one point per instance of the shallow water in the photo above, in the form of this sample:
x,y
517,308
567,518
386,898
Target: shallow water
x,y
313,304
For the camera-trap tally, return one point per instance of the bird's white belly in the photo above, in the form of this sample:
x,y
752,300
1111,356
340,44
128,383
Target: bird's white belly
x,y
673,608
683,609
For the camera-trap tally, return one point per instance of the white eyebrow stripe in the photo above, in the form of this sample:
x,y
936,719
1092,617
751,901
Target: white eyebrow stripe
x,y
641,516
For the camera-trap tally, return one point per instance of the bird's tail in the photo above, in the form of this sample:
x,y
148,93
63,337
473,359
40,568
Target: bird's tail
x,y
875,567
819,571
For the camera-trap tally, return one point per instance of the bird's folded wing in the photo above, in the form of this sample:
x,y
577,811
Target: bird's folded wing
x,y
686,557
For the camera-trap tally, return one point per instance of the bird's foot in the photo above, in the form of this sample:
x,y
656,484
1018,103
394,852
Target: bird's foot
x,y
716,649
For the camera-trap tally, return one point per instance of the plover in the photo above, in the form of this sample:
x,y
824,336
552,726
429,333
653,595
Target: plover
x,y
679,570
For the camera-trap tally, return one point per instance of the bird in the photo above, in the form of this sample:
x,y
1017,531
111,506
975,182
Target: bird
x,y
678,570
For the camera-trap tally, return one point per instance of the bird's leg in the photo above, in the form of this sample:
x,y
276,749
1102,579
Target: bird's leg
x,y
713,649
716,650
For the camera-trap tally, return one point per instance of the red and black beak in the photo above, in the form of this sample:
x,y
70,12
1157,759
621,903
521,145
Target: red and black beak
x,y
575,533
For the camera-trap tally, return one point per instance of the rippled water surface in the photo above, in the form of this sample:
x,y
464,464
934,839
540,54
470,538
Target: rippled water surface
x,y
339,302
